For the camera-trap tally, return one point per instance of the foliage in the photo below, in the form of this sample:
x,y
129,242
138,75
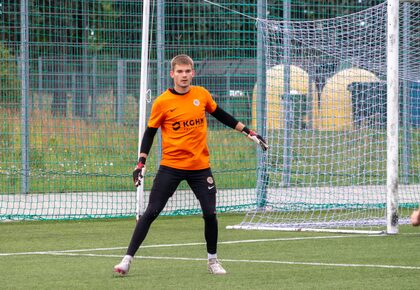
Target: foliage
x,y
10,94
102,24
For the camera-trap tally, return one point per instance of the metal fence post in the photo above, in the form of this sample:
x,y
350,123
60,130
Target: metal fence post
x,y
24,63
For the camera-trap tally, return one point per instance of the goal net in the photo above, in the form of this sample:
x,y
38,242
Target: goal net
x,y
325,120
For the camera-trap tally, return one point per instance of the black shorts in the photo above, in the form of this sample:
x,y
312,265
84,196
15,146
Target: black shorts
x,y
201,182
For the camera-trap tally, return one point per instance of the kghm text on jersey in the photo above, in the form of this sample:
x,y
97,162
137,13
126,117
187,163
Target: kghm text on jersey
x,y
188,125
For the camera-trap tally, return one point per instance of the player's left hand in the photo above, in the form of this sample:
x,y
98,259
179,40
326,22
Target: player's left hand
x,y
257,139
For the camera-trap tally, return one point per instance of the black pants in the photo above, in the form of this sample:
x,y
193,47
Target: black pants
x,y
166,182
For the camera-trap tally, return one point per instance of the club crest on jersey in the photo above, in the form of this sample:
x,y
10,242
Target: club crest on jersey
x,y
210,180
196,102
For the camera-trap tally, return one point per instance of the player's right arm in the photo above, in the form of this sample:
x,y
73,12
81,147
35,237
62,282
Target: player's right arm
x,y
146,144
155,120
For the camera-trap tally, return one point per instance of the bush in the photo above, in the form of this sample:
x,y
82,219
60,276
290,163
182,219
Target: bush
x,y
10,92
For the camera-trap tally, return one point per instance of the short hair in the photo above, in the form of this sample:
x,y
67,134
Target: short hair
x,y
181,59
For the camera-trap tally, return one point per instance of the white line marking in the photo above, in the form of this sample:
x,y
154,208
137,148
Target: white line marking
x,y
192,244
199,244
241,261
78,253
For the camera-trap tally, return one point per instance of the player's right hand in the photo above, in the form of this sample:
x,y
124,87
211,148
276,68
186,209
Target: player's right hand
x,y
139,172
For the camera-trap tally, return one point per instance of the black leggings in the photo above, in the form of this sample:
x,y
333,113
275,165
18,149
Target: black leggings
x,y
166,182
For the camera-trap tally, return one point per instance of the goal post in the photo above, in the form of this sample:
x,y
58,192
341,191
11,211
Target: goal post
x,y
143,95
392,114
339,85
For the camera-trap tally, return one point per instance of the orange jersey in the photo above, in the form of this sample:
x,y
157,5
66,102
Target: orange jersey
x,y
183,123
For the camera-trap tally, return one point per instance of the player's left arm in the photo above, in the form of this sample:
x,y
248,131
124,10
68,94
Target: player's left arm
x,y
230,121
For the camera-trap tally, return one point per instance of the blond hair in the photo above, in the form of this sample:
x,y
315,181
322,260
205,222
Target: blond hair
x,y
181,59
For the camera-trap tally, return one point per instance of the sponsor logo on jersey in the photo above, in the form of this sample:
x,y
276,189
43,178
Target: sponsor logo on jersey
x,y
188,125
176,126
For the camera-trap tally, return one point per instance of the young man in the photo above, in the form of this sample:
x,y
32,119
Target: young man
x,y
180,113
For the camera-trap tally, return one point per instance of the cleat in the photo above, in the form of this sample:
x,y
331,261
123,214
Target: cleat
x,y
215,267
123,267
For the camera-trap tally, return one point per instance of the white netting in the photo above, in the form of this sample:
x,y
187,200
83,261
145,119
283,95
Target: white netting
x,y
326,167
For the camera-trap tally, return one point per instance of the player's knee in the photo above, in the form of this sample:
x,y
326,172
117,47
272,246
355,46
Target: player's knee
x,y
210,218
150,215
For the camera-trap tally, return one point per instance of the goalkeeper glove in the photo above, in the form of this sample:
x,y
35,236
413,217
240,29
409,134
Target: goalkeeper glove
x,y
139,171
256,138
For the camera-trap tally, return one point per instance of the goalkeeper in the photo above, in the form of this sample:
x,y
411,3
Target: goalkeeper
x,y
180,113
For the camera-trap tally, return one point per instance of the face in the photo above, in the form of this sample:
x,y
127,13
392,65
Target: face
x,y
182,74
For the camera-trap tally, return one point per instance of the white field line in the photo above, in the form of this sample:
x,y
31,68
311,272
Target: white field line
x,y
78,253
242,261
187,244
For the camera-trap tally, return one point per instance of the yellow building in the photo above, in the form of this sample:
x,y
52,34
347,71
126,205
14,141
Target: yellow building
x,y
335,111
299,85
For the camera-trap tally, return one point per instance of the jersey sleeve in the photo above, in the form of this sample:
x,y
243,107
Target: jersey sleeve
x,y
211,105
156,116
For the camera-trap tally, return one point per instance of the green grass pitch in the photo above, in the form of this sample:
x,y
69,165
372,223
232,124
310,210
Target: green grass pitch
x,y
81,255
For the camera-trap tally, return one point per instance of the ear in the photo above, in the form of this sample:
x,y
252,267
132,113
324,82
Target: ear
x,y
193,73
171,73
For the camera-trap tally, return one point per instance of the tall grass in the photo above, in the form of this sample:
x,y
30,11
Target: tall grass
x,y
69,155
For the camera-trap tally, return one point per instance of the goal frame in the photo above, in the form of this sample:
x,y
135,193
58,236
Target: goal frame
x,y
392,80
